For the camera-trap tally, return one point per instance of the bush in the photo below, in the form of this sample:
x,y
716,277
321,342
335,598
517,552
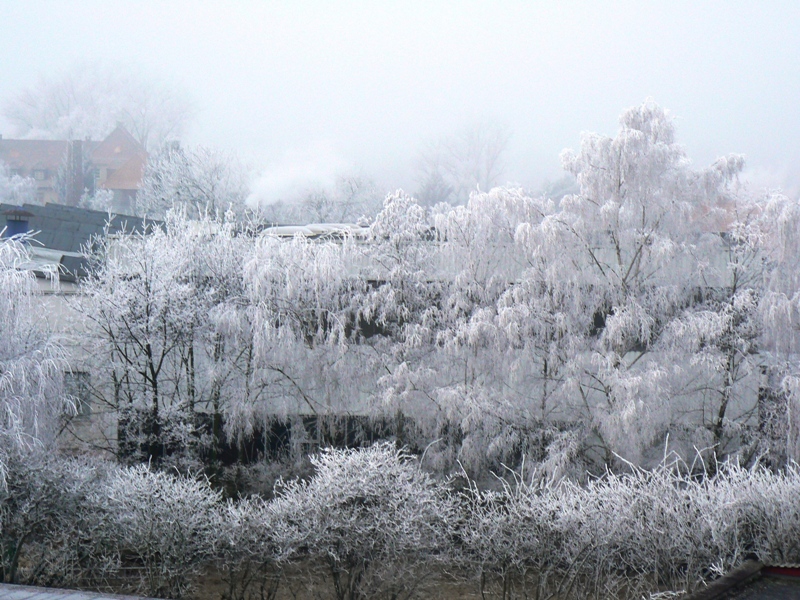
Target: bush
x,y
628,535
255,544
375,524
371,515
510,535
49,527
167,525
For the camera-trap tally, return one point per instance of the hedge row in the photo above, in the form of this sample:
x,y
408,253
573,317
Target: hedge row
x,y
375,523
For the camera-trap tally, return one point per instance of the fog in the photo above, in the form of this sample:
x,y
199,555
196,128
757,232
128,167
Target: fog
x,y
306,91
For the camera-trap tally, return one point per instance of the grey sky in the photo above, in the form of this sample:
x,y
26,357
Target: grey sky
x,y
302,87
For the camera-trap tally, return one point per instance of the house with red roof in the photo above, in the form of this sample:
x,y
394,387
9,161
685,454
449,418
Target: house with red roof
x,y
65,170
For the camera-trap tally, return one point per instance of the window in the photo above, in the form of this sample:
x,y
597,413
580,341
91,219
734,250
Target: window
x,y
39,174
77,388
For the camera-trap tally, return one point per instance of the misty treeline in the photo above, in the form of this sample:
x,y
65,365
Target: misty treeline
x,y
549,354
92,97
371,523
87,101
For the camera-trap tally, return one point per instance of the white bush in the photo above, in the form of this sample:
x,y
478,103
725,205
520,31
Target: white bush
x,y
166,524
49,528
632,534
256,541
371,515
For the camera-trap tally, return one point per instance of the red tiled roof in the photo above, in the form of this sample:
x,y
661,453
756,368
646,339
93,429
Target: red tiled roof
x,y
27,155
117,149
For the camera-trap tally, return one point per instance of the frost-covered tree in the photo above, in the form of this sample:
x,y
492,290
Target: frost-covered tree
x,y
102,200
400,310
304,297
779,217
452,268
457,165
140,302
631,239
628,309
197,180
351,198
15,189
31,360
621,233
220,361
572,333
168,308
722,330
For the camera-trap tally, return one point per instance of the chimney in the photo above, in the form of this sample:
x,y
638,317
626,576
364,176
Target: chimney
x,y
75,183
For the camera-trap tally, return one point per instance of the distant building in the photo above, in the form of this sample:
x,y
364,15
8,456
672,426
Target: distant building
x,y
118,164
65,170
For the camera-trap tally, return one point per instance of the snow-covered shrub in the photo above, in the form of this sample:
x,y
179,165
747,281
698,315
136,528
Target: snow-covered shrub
x,y
166,525
637,529
510,538
371,515
48,525
628,535
750,512
255,542
770,503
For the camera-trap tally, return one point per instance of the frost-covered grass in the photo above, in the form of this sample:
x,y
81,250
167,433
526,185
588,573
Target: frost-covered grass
x,y
373,524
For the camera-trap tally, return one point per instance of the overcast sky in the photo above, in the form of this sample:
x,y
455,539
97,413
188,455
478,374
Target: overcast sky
x,y
324,87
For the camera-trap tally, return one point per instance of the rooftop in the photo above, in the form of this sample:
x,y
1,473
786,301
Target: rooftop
x,y
33,154
754,581
24,592
62,232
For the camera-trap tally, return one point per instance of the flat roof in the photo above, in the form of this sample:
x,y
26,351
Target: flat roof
x,y
26,592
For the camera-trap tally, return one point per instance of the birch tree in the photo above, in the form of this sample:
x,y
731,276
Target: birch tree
x,y
630,235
